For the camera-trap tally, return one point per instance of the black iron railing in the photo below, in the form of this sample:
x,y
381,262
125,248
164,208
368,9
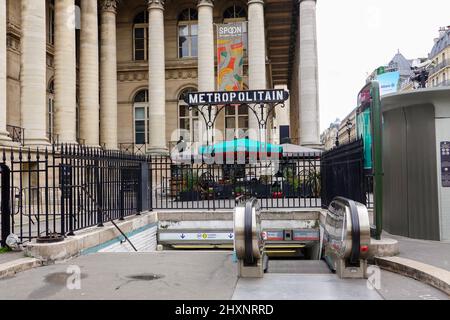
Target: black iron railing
x,y
343,175
17,134
292,181
67,188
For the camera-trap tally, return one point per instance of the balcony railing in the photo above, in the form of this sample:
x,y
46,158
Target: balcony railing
x,y
133,148
440,66
17,134
445,83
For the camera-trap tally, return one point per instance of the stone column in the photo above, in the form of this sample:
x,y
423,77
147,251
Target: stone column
x,y
256,59
65,72
308,76
3,111
89,74
157,77
108,74
33,82
206,74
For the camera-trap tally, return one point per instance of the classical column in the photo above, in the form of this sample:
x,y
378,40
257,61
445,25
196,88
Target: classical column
x,y
65,72
256,59
108,74
157,77
308,76
206,79
33,81
89,74
3,111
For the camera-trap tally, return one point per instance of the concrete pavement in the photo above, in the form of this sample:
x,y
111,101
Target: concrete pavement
x,y
196,276
435,253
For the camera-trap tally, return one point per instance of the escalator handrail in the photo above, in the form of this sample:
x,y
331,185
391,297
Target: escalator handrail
x,y
356,230
248,231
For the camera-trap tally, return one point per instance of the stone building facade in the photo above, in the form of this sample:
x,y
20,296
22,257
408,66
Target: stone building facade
x,y
111,72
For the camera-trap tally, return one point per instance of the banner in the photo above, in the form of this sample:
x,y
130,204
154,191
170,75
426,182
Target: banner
x,y
230,56
389,82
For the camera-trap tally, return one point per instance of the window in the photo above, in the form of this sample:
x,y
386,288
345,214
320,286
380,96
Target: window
x,y
141,117
189,124
51,22
188,33
140,36
236,122
50,111
237,14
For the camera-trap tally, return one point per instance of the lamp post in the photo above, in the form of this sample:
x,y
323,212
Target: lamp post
x,y
349,125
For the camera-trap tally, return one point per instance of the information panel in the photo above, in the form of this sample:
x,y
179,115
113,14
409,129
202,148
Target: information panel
x,y
445,164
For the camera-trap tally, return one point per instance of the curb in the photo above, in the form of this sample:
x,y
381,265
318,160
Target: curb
x,y
425,273
10,268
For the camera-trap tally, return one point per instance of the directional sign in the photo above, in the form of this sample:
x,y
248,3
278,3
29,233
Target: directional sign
x,y
236,97
196,236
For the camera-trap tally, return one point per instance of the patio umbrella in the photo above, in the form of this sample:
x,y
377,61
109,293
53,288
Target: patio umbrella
x,y
242,146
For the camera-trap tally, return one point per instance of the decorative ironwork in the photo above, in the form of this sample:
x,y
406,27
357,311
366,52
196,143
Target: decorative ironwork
x,y
261,103
17,134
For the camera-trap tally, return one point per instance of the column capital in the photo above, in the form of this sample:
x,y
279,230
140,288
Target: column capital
x,y
108,6
156,4
205,3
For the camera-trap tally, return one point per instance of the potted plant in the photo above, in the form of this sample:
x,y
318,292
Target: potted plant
x,y
190,190
238,191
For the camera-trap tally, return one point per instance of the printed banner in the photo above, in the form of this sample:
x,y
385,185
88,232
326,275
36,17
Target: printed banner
x,y
388,82
230,56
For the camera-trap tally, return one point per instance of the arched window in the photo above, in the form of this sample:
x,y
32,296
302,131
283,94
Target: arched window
x,y
51,111
140,36
189,124
188,33
141,117
235,14
236,122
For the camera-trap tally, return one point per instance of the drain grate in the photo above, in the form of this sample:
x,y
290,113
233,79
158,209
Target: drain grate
x,y
146,277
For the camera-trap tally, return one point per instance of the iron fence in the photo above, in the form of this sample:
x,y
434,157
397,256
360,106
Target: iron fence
x,y
63,189
343,173
67,188
292,181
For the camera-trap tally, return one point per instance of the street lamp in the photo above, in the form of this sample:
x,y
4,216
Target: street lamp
x,y
349,125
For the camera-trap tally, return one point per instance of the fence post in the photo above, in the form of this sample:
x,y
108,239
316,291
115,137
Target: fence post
x,y
99,191
143,203
150,184
5,203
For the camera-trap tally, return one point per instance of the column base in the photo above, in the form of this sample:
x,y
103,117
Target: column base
x,y
6,141
313,145
158,151
37,142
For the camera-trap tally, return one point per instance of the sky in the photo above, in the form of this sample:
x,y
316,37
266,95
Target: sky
x,y
357,36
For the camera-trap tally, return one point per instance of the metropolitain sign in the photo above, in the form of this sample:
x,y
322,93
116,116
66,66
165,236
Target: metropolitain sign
x,y
236,97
